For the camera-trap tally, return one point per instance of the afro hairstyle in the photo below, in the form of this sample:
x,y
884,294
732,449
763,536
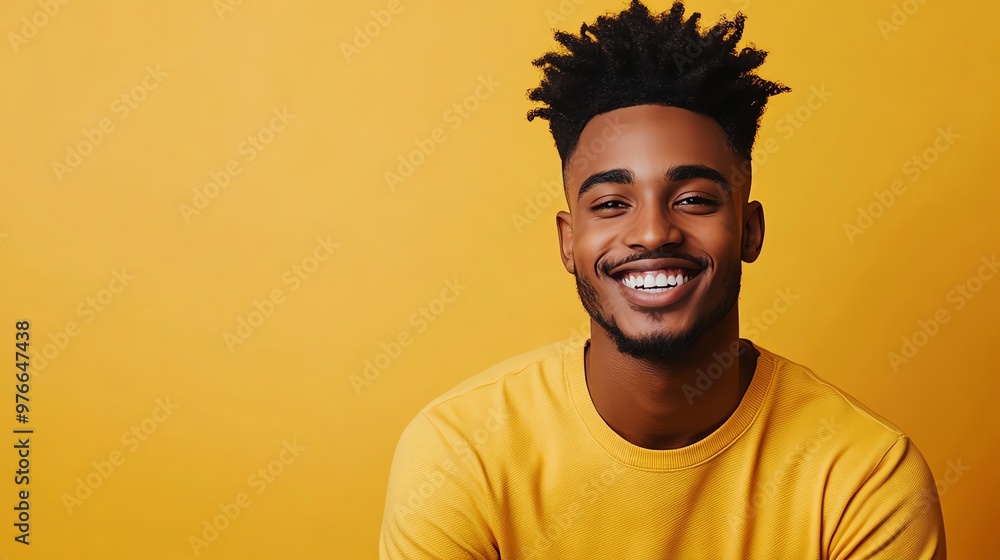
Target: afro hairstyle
x,y
637,58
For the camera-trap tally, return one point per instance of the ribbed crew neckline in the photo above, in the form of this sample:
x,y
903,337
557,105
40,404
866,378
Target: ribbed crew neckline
x,y
665,459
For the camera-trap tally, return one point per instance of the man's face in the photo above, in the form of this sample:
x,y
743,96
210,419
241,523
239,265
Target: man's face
x,y
658,227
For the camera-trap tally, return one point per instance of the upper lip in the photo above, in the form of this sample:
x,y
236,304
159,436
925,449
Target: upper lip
x,y
654,264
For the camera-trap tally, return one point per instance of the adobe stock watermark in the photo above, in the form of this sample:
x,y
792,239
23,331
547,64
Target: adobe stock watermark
x,y
952,475
767,489
928,328
913,168
578,337
258,481
761,322
552,190
418,496
753,327
565,9
224,7
420,320
31,25
794,120
611,130
787,126
900,15
249,149
364,34
558,525
468,447
87,310
453,116
292,277
131,439
692,51
122,107
550,193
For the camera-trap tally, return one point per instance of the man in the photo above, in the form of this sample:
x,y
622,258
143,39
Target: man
x,y
664,435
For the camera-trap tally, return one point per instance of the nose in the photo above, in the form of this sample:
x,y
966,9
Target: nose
x,y
651,227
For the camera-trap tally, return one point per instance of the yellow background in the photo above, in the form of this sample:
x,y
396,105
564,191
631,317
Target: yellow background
x,y
223,70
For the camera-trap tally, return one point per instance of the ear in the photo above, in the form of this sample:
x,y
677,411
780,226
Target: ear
x,y
564,226
753,232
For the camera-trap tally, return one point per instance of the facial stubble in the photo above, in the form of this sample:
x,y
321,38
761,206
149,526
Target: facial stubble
x,y
661,346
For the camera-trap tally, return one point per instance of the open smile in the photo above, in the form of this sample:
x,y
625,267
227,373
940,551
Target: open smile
x,y
655,284
656,281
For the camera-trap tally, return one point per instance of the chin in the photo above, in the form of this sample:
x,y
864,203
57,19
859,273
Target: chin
x,y
654,345
656,349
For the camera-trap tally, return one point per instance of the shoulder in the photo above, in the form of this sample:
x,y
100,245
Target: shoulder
x,y
876,482
797,392
449,446
518,376
505,391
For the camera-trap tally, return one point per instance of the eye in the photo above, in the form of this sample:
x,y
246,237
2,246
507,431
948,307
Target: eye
x,y
608,205
697,201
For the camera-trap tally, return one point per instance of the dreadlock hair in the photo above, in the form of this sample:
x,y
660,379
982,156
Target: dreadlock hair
x,y
636,58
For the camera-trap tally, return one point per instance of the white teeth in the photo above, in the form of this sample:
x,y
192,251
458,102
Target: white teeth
x,y
654,283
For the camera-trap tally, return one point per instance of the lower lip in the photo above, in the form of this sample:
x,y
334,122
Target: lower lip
x,y
661,299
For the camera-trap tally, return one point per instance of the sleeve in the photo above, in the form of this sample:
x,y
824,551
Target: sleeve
x,y
895,513
435,506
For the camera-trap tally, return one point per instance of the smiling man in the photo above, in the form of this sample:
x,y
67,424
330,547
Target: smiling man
x,y
665,434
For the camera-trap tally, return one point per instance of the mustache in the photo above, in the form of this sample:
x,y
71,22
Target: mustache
x,y
607,266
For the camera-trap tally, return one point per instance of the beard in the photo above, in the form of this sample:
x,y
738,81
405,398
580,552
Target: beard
x,y
662,346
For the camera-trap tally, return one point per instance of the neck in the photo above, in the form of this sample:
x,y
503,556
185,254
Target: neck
x,y
667,405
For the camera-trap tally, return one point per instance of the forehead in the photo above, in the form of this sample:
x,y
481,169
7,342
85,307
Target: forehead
x,y
649,139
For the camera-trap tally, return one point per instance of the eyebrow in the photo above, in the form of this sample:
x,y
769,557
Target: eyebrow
x,y
676,173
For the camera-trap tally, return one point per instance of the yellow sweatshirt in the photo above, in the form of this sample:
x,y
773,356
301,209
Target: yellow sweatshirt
x,y
516,463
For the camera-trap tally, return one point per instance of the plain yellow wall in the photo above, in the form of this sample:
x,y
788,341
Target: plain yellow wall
x,y
198,224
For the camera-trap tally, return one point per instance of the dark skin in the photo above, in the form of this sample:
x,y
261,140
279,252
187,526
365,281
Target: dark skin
x,y
692,216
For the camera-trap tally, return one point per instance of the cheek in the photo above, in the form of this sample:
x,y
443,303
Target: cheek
x,y
722,236
722,244
590,244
